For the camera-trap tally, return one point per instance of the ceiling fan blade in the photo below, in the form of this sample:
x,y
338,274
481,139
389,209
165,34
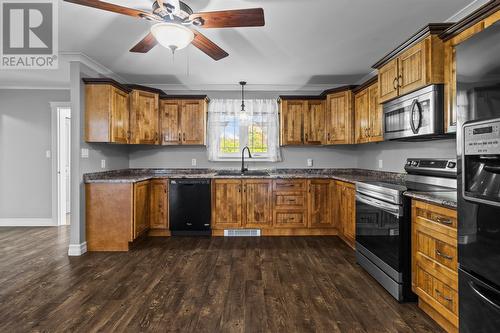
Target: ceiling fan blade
x,y
145,45
253,17
115,9
207,46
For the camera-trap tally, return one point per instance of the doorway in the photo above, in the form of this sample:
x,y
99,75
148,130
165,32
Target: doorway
x,y
63,165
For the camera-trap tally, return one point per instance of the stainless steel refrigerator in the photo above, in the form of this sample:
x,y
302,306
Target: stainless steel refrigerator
x,y
478,150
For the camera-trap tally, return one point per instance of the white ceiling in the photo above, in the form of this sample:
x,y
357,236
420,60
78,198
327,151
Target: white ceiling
x,y
305,44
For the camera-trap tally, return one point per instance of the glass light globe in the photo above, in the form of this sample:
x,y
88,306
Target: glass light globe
x,y
172,36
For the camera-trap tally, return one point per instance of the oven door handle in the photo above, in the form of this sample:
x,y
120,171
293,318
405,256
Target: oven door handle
x,y
415,106
482,295
392,209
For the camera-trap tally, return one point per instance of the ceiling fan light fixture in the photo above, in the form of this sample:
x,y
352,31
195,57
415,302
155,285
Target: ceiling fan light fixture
x,y
172,36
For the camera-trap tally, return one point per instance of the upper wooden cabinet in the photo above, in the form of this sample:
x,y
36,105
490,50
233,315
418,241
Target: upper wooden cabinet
x,y
368,114
339,118
106,112
416,63
144,117
302,121
183,121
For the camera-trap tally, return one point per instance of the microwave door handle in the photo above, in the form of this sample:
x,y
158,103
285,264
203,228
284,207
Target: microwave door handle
x,y
415,106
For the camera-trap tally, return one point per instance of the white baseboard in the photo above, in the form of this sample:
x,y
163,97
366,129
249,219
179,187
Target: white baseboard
x,y
27,222
77,249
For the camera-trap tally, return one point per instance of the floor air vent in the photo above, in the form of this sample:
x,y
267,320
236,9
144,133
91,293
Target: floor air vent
x,y
242,233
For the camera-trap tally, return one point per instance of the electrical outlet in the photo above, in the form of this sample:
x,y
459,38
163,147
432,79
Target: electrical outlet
x,y
103,164
85,153
193,162
380,164
309,162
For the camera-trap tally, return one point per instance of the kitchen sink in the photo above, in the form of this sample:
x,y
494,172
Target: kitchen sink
x,y
239,173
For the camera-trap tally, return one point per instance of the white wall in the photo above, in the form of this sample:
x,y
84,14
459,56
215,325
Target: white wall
x,y
25,136
394,153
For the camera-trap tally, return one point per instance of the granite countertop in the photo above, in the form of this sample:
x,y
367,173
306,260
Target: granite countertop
x,y
446,199
136,175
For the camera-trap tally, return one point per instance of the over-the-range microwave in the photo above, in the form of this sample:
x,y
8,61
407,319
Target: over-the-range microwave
x,y
415,116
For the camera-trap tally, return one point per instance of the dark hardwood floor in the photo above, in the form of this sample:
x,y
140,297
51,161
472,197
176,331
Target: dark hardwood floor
x,y
279,284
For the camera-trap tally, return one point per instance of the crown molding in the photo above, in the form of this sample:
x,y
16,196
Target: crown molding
x,y
91,63
249,87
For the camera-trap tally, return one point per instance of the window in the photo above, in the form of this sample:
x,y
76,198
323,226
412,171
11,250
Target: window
x,y
230,129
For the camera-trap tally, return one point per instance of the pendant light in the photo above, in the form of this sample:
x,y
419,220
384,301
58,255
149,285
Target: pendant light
x,y
243,113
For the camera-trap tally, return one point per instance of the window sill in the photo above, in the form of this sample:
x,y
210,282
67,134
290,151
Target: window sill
x,y
238,159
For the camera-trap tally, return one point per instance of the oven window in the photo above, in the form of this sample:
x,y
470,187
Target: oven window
x,y
378,231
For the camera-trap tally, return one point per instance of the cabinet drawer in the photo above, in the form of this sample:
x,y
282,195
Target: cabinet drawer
x,y
290,201
290,219
432,289
284,185
428,244
439,216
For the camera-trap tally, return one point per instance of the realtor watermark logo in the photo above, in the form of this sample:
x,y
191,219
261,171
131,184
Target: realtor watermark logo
x,y
29,36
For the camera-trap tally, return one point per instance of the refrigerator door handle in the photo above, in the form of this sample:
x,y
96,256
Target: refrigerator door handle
x,y
483,296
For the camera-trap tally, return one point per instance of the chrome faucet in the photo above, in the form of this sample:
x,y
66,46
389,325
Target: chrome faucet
x,y
243,169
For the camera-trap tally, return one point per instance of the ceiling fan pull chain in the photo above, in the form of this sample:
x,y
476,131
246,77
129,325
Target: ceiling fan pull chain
x,y
187,62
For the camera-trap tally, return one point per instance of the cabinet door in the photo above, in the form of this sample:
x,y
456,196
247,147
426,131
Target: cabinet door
x,y
339,118
159,204
388,81
362,116
292,123
258,203
141,208
193,122
336,204
412,68
349,213
144,117
319,203
119,116
169,114
376,126
227,204
314,123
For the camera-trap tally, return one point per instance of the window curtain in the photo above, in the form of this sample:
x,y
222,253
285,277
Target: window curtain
x,y
222,111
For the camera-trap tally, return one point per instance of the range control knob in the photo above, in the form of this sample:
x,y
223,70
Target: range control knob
x,y
451,164
414,163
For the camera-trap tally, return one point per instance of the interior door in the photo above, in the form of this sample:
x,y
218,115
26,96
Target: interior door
x,y
120,116
258,203
169,114
193,122
319,203
314,124
145,117
376,127
292,122
412,68
228,205
388,81
361,116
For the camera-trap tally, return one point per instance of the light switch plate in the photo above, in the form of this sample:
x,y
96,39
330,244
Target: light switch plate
x,y
193,162
309,162
103,164
380,164
48,153
85,153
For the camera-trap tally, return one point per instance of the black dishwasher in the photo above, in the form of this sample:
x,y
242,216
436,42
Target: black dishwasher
x,y
190,207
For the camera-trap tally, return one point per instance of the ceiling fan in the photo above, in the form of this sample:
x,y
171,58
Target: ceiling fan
x,y
175,21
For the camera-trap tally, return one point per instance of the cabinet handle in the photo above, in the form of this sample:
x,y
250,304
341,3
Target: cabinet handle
x,y
443,220
400,77
184,137
239,188
394,83
442,255
440,294
328,136
244,188
179,136
306,138
309,188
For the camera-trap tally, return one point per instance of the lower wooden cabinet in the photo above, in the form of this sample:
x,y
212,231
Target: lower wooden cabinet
x,y
434,262
241,203
159,218
344,204
319,203
290,203
116,214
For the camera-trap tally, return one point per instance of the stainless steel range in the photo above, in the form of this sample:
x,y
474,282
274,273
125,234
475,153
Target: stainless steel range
x,y
383,221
